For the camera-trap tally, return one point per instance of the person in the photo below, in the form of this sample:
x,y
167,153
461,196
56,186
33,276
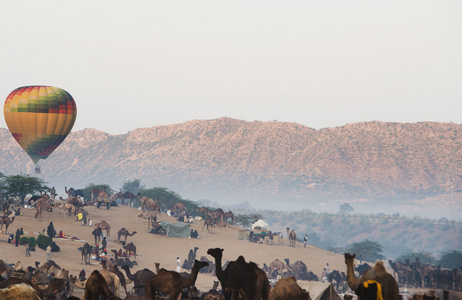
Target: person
x,y
27,249
51,232
82,275
178,265
305,240
17,236
21,232
327,269
61,234
104,242
370,289
270,238
48,252
119,253
324,275
10,238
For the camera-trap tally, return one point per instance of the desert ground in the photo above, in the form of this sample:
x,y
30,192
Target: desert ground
x,y
152,248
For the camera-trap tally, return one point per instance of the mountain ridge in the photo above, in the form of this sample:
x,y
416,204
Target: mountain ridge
x,y
233,160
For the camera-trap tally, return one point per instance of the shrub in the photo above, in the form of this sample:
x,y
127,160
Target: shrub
x,y
28,239
43,241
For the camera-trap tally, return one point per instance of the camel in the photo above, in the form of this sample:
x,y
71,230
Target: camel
x,y
66,207
203,210
94,193
212,294
7,221
128,195
171,282
17,288
191,257
210,223
97,233
229,215
180,206
6,206
288,289
292,237
112,280
130,248
390,288
103,225
41,205
86,252
216,214
140,278
121,276
145,201
125,233
151,217
97,286
240,276
278,265
73,192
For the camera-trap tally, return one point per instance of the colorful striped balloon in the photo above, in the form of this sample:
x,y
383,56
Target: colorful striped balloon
x,y
39,118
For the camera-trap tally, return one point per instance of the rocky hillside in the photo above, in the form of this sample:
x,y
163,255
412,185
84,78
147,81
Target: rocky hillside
x,y
229,159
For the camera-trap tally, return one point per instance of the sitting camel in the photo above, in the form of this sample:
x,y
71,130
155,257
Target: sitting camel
x,y
125,233
288,289
96,286
278,265
17,288
131,248
171,282
103,225
390,287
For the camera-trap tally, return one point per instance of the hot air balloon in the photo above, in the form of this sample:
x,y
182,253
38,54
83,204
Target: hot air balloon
x,y
39,118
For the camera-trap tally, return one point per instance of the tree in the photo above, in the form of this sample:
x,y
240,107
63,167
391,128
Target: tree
x,y
424,257
167,198
103,186
345,208
451,259
21,186
369,250
247,220
133,186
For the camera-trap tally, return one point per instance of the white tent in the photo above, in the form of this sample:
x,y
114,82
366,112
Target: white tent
x,y
319,290
260,224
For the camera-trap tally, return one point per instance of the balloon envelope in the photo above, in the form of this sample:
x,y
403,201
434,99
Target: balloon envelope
x,y
39,118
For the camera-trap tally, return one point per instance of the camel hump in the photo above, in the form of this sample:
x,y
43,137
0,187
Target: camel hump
x,y
240,259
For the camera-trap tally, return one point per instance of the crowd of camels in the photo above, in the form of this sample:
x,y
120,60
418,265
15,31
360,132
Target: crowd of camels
x,y
239,279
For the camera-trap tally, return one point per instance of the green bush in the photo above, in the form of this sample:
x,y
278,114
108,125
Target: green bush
x,y
43,241
28,239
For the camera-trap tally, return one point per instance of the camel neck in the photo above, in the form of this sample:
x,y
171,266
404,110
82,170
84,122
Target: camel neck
x,y
192,279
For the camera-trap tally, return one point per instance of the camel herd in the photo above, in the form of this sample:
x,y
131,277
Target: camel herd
x,y
239,280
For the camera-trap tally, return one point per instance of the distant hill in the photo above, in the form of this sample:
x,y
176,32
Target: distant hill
x,y
228,159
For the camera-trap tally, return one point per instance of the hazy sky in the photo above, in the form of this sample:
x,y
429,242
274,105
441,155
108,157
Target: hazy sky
x,y
132,64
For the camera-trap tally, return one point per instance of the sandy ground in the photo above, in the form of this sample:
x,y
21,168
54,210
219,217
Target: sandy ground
x,y
153,248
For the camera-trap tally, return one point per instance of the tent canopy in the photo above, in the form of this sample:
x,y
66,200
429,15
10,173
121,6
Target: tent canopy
x,y
178,229
261,224
319,290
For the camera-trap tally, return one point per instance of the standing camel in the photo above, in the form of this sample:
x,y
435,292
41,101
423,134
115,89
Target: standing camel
x,y
131,248
140,278
125,233
103,225
97,233
240,276
292,237
171,282
41,205
86,252
390,287
7,221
